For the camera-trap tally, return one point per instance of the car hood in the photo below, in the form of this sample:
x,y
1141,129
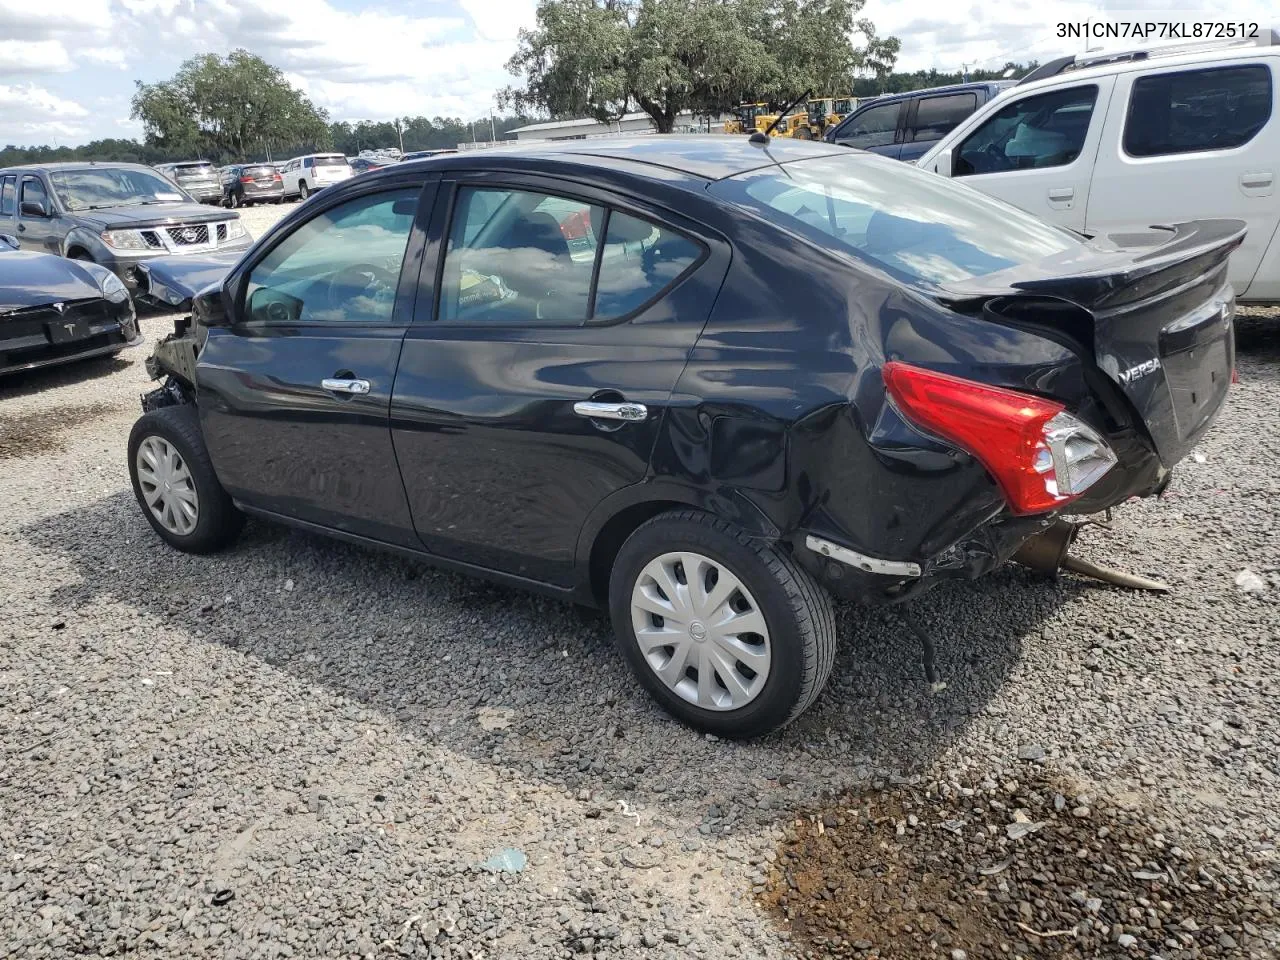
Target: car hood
x,y
30,279
153,215
174,280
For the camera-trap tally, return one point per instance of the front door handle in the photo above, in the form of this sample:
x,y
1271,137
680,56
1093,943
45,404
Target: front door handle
x,y
627,412
336,385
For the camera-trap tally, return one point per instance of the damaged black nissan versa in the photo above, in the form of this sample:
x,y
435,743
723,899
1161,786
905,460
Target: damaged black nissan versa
x,y
704,383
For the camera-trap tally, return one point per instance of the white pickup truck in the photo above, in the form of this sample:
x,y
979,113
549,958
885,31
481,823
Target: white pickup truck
x,y
1126,141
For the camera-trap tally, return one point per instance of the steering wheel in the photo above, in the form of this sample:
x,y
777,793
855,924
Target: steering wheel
x,y
364,279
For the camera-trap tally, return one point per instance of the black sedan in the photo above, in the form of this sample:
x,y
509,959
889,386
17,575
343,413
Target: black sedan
x,y
702,382
54,310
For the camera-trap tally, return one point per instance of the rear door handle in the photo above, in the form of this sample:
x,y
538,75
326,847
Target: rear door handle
x,y
1258,180
1062,193
354,387
627,412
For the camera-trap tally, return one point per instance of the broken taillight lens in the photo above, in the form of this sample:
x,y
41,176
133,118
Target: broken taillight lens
x,y
1041,456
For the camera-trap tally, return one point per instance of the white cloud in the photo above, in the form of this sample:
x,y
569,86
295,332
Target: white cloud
x,y
32,113
23,57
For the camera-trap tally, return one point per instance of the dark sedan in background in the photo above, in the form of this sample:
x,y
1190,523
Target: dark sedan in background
x,y
114,214
54,310
244,184
692,380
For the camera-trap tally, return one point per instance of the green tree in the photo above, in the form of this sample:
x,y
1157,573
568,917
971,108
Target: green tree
x,y
227,107
602,58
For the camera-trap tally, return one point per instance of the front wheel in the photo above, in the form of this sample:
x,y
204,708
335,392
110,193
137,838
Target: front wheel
x,y
802,133
727,633
175,484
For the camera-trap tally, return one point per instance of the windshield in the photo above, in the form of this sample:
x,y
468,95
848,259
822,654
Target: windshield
x,y
113,187
922,228
260,171
337,161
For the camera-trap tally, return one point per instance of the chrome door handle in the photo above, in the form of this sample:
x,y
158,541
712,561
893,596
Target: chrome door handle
x,y
334,385
628,412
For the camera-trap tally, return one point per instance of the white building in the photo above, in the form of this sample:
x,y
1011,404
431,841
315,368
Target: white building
x,y
633,123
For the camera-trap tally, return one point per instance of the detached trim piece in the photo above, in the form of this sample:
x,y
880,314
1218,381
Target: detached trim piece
x,y
892,568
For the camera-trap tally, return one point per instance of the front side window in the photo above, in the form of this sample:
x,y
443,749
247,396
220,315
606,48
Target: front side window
x,y
873,127
1047,130
517,256
33,190
113,187
342,266
7,190
938,116
920,227
1197,110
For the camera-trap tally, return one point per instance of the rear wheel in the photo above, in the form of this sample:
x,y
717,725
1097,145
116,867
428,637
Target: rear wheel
x,y
802,133
727,633
174,481
303,190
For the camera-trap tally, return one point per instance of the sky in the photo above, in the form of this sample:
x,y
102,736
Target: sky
x,y
68,67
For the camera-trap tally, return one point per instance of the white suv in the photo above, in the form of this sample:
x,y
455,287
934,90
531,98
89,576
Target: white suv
x,y
1126,141
303,176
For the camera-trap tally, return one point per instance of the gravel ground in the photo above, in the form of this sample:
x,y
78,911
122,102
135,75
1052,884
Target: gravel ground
x,y
297,748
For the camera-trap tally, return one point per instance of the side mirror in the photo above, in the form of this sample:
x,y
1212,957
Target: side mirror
x,y
945,163
9,239
34,208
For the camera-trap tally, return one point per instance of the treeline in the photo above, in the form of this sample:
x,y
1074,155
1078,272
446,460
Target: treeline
x,y
922,79
419,133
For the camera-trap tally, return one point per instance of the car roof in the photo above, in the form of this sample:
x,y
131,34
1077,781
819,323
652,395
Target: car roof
x,y
933,91
73,165
705,157
1192,58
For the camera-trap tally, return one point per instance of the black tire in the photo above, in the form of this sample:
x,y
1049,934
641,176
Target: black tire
x,y
796,610
802,133
218,522
278,200
81,255
303,190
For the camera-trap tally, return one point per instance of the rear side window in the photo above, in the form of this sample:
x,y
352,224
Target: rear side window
x,y
1047,130
873,127
938,116
922,228
1197,110
638,261
519,256
7,189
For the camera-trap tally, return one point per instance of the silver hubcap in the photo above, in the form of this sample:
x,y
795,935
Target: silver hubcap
x,y
700,631
167,486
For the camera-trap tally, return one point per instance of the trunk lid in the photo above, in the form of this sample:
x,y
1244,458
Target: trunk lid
x,y
1161,312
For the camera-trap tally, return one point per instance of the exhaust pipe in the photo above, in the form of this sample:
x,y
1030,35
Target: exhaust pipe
x,y
1047,553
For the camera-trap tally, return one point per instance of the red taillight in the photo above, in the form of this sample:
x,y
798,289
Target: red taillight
x,y
276,176
1041,456
247,180
1235,376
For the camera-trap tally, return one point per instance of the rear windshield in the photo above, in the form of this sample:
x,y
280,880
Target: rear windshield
x,y
921,227
194,170
263,171
338,161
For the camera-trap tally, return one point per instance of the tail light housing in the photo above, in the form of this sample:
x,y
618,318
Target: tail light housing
x,y
1041,456
276,176
247,180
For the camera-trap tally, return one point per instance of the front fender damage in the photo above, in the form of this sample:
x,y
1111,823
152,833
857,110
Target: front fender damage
x,y
174,361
